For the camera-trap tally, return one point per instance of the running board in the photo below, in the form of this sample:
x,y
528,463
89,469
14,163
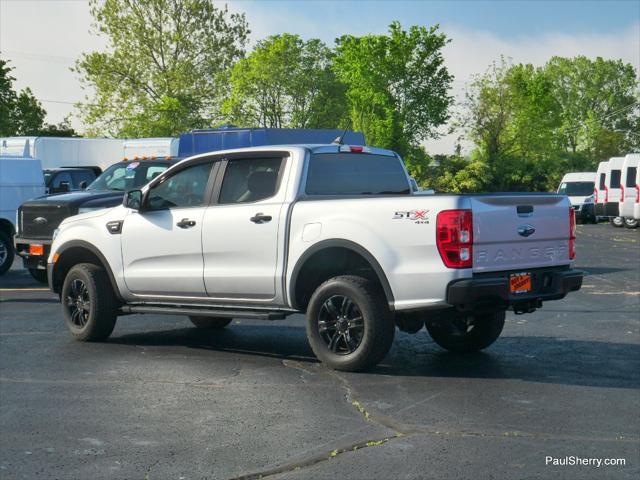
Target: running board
x,y
205,312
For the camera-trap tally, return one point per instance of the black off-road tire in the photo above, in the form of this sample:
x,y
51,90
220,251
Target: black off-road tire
x,y
39,275
95,320
450,333
210,322
366,301
6,246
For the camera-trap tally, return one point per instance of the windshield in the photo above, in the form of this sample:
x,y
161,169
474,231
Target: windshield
x,y
127,176
576,189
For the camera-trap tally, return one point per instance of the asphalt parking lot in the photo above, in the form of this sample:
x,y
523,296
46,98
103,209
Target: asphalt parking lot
x,y
161,399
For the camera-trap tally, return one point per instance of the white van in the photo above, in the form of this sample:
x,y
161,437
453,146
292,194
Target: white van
x,y
630,190
600,194
579,187
21,178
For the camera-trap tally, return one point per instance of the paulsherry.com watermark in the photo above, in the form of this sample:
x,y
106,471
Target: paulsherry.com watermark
x,y
575,461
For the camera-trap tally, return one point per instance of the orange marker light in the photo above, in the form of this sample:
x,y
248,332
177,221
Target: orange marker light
x,y
36,250
56,256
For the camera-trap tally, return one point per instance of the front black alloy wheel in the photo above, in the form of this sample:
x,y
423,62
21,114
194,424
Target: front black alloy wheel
x,y
88,303
340,324
349,325
78,303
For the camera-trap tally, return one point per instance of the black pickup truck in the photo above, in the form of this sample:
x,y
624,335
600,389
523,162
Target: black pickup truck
x,y
38,218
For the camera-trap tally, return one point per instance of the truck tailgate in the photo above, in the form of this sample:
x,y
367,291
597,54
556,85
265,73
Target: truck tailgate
x,y
513,232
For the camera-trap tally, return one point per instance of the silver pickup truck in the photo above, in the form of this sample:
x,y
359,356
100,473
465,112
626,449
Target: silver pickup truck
x,y
333,231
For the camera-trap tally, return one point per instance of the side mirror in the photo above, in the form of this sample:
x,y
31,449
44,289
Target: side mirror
x,y
83,185
64,187
133,199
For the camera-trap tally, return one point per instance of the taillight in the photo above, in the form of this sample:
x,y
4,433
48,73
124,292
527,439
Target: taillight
x,y
621,193
595,195
637,193
606,194
572,233
454,238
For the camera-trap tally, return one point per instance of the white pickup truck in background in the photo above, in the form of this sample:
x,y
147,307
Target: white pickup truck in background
x,y
333,231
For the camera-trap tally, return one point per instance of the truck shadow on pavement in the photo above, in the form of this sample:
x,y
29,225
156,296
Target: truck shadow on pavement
x,y
534,359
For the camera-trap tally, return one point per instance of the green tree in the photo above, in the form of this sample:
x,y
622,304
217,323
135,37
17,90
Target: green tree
x,y
20,112
397,85
286,82
599,106
62,129
532,125
163,72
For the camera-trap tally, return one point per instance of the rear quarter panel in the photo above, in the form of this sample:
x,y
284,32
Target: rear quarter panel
x,y
398,231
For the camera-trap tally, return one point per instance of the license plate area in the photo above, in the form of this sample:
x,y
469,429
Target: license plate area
x,y
520,283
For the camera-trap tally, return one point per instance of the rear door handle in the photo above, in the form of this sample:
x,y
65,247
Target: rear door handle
x,y
186,223
260,218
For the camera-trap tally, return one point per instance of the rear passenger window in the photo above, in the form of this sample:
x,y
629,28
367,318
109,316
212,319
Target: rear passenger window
x,y
615,179
631,177
250,179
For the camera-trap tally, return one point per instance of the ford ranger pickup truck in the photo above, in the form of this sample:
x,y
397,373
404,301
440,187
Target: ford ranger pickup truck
x,y
332,231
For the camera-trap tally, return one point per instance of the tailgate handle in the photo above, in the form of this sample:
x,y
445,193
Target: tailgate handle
x,y
525,210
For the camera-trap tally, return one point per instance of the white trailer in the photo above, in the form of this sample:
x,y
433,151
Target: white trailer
x,y
55,152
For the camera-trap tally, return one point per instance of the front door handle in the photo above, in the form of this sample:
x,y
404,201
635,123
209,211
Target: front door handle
x,y
186,223
260,218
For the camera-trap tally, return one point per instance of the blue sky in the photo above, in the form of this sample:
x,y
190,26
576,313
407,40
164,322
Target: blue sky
x,y
507,18
42,38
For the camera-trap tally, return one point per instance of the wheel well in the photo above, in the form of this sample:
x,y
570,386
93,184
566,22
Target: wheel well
x,y
328,263
73,256
7,228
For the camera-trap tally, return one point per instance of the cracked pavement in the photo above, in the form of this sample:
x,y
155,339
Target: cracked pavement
x,y
161,399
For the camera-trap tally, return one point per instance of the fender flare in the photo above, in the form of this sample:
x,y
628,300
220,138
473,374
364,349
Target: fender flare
x,y
88,246
349,245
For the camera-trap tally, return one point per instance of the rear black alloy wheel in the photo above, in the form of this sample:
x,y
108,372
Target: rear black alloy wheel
x,y
467,332
340,324
349,324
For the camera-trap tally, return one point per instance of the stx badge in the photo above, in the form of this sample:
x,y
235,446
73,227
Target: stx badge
x,y
416,216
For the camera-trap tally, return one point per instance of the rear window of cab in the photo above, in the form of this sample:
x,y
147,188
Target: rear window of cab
x,y
355,174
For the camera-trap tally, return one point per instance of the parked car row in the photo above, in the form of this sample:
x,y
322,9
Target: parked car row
x,y
617,190
611,193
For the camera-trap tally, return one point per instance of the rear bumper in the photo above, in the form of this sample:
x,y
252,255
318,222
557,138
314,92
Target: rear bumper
x,y
492,290
38,262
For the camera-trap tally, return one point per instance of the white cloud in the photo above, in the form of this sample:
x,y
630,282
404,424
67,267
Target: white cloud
x,y
43,38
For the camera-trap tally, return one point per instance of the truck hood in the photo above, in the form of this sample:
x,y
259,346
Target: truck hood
x,y
92,198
